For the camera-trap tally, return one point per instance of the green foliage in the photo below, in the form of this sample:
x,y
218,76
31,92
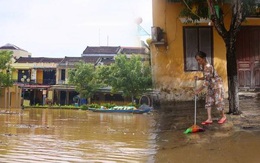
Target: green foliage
x,y
103,73
93,105
131,76
84,107
5,69
194,10
84,78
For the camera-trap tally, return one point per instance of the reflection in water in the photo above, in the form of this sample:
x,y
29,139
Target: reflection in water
x,y
224,143
46,135
76,136
240,147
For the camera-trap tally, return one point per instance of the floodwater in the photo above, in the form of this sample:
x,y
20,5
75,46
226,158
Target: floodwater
x,y
57,135
236,141
49,135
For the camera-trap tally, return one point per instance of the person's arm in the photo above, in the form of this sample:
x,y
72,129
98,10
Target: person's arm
x,y
197,91
198,78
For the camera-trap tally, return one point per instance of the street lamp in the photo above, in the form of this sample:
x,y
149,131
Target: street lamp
x,y
24,79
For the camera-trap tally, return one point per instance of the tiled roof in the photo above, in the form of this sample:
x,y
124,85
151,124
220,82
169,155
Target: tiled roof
x,y
133,50
38,59
52,60
71,59
101,50
11,47
107,61
90,59
87,59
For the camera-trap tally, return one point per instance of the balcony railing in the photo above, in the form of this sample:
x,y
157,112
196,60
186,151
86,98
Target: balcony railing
x,y
61,82
41,82
49,81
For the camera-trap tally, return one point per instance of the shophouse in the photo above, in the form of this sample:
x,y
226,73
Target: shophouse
x,y
64,94
41,80
11,97
35,76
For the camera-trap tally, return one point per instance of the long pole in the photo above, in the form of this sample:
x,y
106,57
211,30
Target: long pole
x,y
195,107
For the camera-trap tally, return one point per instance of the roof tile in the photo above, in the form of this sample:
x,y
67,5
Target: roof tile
x,y
133,50
101,50
38,59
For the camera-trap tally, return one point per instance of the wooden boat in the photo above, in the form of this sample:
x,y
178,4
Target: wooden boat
x,y
123,109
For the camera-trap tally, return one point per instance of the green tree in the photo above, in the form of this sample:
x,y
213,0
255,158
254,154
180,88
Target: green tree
x,y
84,78
240,9
131,76
5,69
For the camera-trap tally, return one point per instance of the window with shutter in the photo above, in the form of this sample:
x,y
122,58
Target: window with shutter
x,y
197,39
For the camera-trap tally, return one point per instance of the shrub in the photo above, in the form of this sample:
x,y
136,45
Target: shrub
x,y
84,107
94,105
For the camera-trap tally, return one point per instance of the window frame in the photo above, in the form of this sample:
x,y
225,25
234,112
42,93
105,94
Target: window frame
x,y
198,46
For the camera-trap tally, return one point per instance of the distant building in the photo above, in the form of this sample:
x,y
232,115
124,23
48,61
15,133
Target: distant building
x,y
17,52
108,52
40,80
35,75
11,97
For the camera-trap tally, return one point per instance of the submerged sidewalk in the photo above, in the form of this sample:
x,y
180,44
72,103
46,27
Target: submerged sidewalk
x,y
250,117
180,115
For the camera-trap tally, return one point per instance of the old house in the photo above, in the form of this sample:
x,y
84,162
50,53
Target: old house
x,y
175,42
10,96
35,76
39,79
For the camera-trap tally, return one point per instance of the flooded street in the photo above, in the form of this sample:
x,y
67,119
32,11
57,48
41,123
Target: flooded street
x,y
45,135
57,135
239,147
236,141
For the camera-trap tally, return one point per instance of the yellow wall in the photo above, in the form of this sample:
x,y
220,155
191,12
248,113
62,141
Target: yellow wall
x,y
168,60
15,97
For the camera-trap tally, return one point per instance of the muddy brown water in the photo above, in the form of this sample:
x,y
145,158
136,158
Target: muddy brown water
x,y
45,135
56,135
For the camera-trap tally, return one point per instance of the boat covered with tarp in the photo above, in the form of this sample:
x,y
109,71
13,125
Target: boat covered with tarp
x,y
123,109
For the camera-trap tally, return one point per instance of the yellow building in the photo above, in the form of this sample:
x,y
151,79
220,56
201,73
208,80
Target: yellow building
x,y
173,62
40,80
10,98
35,76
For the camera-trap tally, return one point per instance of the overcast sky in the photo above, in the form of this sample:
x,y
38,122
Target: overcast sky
x,y
58,28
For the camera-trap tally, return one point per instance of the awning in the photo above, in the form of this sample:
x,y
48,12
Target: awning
x,y
34,86
62,87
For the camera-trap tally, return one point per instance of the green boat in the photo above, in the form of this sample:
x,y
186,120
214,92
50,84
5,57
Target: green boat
x,y
123,109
